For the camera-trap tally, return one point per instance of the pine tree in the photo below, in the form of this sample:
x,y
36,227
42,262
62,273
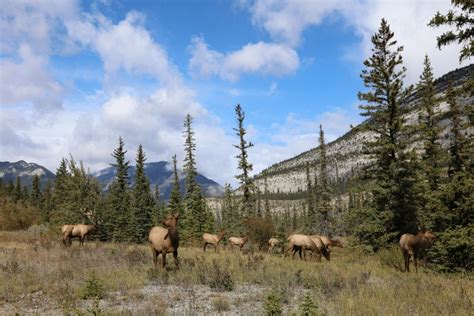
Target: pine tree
x,y
393,210
158,212
36,195
247,186
174,203
432,158
464,23
311,216
47,202
17,191
197,219
323,191
267,211
118,213
143,202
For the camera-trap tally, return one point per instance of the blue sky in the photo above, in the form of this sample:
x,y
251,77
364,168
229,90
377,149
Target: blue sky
x,y
76,75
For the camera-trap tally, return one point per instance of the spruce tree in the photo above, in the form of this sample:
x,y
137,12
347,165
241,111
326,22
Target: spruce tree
x,y
158,212
323,190
247,186
267,211
393,209
432,157
36,195
463,21
197,219
119,213
174,203
47,202
142,201
17,191
311,216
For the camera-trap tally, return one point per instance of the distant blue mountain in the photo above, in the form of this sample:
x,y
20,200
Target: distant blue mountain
x,y
161,174
27,171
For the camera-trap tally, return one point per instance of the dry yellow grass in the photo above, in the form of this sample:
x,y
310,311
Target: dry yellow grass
x,y
38,275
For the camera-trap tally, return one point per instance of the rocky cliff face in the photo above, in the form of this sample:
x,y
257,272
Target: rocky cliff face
x,y
345,154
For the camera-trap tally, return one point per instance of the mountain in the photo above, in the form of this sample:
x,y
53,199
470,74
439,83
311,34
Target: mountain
x,y
27,171
345,154
161,174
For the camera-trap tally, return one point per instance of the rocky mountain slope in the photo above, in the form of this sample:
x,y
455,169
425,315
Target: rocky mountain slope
x,y
27,171
345,154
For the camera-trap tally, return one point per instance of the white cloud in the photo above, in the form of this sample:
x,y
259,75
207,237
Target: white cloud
x,y
125,46
29,81
258,58
286,21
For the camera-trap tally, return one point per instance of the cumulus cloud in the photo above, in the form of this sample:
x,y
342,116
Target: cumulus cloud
x,y
257,58
125,46
286,21
29,81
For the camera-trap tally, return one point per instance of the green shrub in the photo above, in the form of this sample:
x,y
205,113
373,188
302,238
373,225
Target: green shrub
x,y
272,304
220,278
453,251
309,307
221,304
93,288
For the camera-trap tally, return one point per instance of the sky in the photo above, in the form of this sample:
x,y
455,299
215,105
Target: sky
x,y
76,75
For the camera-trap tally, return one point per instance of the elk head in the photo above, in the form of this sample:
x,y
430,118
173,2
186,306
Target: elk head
x,y
171,220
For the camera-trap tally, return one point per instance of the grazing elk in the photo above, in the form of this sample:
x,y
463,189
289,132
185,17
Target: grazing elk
x,y
330,243
238,241
412,245
211,239
272,243
299,243
79,230
165,240
323,250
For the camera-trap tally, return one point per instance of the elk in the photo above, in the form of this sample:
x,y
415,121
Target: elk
x,y
272,243
238,241
79,230
298,242
323,250
165,240
412,245
330,243
211,239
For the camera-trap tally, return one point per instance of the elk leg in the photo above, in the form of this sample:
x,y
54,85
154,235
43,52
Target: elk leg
x,y
205,244
155,257
176,260
416,263
405,260
163,258
215,248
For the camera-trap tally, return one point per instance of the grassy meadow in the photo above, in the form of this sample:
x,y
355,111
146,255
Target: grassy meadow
x,y
39,276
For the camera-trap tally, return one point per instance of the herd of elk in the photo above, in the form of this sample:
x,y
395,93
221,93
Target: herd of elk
x,y
413,246
79,230
165,240
211,239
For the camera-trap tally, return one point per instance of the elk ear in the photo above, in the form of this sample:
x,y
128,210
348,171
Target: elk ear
x,y
176,215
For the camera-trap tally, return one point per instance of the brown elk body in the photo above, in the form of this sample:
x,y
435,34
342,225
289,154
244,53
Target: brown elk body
x,y
298,242
330,243
76,231
165,240
413,246
323,250
211,239
272,243
238,241
79,231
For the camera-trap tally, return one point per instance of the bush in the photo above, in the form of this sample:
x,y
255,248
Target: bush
x,y
272,304
391,257
93,288
221,304
260,231
453,251
309,307
215,276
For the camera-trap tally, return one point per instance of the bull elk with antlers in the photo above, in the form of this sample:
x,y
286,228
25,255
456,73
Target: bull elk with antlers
x,y
79,230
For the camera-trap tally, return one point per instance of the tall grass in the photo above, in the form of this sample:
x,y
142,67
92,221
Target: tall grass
x,y
44,277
